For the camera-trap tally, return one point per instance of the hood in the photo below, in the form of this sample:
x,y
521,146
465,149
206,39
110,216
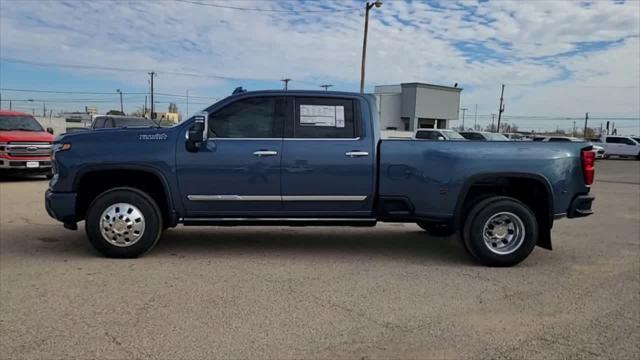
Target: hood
x,y
6,136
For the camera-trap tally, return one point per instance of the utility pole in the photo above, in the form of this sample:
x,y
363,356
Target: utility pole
x,y
574,128
493,117
586,118
10,105
368,7
121,107
152,74
144,109
464,110
187,115
44,110
286,83
326,86
475,119
501,109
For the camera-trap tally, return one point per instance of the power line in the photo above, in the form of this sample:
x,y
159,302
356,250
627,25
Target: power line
x,y
265,10
119,69
100,93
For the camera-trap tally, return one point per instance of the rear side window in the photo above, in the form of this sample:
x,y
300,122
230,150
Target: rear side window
x,y
259,117
628,141
613,140
330,118
427,135
559,140
472,136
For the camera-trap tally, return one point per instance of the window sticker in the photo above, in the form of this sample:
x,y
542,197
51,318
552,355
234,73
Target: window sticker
x,y
321,115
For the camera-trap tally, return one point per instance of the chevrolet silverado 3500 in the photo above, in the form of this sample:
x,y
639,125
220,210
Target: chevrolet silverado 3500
x,y
302,158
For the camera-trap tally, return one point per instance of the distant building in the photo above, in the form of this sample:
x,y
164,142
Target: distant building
x,y
411,106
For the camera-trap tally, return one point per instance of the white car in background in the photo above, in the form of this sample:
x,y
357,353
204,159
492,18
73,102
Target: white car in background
x,y
598,150
615,145
437,134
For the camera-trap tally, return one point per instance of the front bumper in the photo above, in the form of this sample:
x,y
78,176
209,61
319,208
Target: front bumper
x,y
61,206
581,206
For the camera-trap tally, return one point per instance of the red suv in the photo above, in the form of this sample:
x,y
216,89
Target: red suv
x,y
25,147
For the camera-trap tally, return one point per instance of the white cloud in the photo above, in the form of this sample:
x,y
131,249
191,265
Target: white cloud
x,y
563,46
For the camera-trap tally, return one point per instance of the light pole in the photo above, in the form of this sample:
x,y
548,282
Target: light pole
x,y
464,110
368,7
121,107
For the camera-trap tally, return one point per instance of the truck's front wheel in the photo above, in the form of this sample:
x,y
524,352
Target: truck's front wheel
x,y
123,223
500,231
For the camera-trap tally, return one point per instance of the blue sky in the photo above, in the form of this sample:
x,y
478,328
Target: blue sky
x,y
558,59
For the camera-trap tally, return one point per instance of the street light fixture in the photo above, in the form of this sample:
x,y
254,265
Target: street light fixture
x,y
368,7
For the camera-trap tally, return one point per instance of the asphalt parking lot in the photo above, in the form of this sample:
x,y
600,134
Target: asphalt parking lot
x,y
384,292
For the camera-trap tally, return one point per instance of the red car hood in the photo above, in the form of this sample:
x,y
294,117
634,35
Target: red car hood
x,y
6,136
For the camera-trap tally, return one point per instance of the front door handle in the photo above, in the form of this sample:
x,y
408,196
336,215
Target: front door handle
x,y
356,153
261,153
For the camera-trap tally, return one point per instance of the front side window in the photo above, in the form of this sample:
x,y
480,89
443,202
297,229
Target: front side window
x,y
259,117
324,118
559,140
628,141
613,140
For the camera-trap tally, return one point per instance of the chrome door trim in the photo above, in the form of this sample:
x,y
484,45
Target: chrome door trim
x,y
234,197
276,198
323,198
237,139
308,139
279,219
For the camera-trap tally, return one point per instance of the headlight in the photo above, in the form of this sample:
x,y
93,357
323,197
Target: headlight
x,y
59,147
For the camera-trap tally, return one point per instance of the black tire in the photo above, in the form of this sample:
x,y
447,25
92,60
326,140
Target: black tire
x,y
474,226
147,207
439,230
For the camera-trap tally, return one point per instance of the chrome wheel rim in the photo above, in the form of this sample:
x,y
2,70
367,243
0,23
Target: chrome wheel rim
x,y
122,224
503,233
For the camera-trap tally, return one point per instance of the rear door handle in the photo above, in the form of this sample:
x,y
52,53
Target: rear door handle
x,y
261,153
356,153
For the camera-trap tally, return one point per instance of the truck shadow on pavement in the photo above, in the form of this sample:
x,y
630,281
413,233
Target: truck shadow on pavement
x,y
330,243
317,244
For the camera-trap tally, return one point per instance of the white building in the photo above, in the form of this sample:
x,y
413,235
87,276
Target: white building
x,y
411,106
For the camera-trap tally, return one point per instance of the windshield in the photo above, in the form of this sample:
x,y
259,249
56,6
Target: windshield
x,y
119,122
452,135
19,122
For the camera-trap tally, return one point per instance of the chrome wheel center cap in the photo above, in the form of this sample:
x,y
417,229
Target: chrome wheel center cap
x,y
120,226
500,231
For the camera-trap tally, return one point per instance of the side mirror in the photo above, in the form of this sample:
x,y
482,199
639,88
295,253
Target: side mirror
x,y
197,133
50,130
441,138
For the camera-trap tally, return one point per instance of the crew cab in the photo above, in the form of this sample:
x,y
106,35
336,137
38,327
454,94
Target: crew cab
x,y
302,158
25,147
621,146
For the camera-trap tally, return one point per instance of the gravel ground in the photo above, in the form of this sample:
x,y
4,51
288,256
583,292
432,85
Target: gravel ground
x,y
384,292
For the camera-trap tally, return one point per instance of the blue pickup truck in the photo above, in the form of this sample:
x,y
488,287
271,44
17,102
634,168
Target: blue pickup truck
x,y
302,158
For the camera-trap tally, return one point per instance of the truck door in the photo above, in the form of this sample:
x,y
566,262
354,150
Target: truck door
x,y
237,170
328,160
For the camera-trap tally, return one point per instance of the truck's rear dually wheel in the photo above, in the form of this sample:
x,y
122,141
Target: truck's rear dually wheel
x,y
123,223
500,231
